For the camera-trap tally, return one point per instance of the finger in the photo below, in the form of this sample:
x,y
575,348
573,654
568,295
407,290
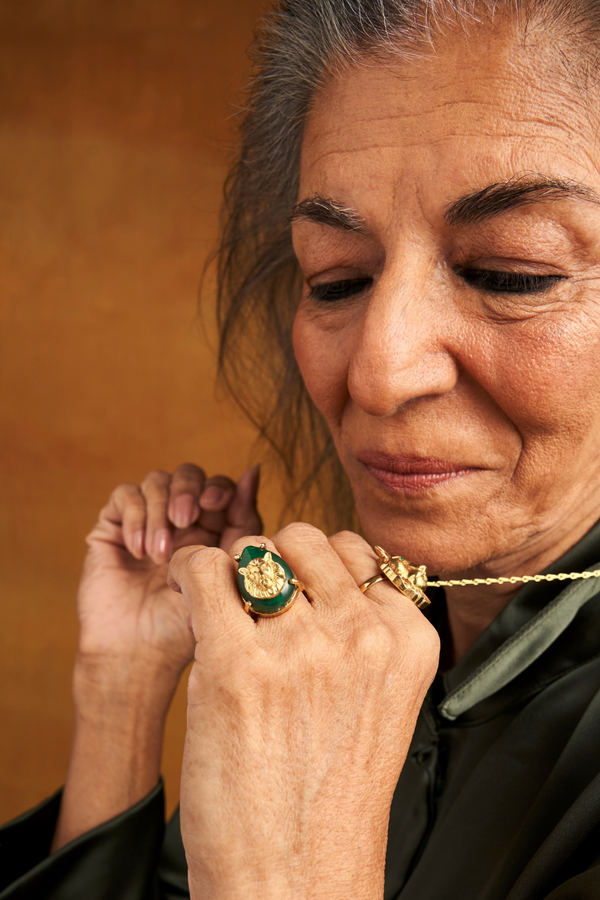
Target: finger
x,y
197,534
361,561
301,606
187,484
155,489
206,576
329,584
242,515
126,510
214,501
208,528
357,556
217,493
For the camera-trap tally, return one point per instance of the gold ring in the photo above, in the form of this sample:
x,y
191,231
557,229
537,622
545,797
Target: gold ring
x,y
267,584
370,582
410,580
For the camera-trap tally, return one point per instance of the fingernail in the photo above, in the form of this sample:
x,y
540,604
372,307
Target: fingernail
x,y
251,476
183,511
162,540
212,496
138,543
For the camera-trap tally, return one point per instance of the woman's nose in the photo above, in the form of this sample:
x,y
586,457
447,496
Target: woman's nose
x,y
401,352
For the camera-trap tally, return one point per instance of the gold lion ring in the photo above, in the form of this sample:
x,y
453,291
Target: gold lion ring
x,y
408,579
267,584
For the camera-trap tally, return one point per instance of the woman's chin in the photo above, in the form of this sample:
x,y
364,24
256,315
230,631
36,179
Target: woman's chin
x,y
440,554
445,525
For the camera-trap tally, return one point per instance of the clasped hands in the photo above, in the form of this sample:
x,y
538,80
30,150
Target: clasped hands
x,y
298,726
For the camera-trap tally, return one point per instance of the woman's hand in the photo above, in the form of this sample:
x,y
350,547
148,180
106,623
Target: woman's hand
x,y
126,609
298,726
134,639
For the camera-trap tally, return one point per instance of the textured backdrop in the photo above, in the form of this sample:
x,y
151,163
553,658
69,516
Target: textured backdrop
x,y
112,155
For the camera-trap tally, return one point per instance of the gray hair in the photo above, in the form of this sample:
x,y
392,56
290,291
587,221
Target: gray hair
x,y
298,46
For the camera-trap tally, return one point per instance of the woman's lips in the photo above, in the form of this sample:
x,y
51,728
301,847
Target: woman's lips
x,y
411,474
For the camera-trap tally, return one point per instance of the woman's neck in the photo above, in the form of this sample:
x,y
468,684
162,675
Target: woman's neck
x,y
472,608
470,611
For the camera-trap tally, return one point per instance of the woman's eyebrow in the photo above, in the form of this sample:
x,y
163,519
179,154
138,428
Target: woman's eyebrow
x,y
507,195
328,212
483,204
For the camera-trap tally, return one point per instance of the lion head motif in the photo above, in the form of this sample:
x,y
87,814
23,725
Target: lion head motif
x,y
263,577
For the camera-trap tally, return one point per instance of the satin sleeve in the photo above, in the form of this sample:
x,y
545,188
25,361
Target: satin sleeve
x,y
121,859
585,886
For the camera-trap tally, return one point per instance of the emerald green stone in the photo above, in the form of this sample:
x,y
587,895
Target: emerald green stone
x,y
266,606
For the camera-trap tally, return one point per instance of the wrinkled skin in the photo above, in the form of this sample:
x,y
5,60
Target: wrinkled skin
x,y
298,727
423,363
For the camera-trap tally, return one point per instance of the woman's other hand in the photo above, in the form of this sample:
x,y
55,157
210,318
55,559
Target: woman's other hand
x,y
298,726
125,607
134,639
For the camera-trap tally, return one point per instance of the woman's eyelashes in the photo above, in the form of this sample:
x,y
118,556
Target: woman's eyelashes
x,y
487,280
340,290
507,282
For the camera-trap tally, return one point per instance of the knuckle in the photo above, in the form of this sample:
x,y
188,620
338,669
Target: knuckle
x,y
312,649
376,643
188,468
348,537
320,647
427,641
156,498
349,541
127,491
156,478
188,473
301,532
200,560
420,647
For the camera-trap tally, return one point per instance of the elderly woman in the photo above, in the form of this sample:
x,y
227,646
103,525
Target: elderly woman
x,y
410,302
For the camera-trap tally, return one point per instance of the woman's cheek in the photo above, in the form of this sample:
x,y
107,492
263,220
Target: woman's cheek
x,y
542,378
323,364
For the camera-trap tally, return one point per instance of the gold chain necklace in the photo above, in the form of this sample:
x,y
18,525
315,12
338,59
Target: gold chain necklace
x,y
515,579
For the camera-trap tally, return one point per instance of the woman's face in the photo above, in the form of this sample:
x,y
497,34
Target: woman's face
x,y
449,328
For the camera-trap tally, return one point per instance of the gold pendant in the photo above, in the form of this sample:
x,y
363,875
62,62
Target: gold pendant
x,y
408,579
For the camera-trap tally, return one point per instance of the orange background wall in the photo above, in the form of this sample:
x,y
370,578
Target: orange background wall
x,y
112,154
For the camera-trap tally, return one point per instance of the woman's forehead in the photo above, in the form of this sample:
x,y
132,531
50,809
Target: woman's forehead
x,y
458,119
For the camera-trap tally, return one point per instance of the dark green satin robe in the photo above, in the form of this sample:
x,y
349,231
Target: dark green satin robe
x,y
500,803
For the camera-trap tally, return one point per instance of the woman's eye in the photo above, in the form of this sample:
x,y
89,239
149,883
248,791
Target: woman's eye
x,y
340,290
508,282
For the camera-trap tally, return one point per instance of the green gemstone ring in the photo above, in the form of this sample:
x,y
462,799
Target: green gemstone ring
x,y
267,584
